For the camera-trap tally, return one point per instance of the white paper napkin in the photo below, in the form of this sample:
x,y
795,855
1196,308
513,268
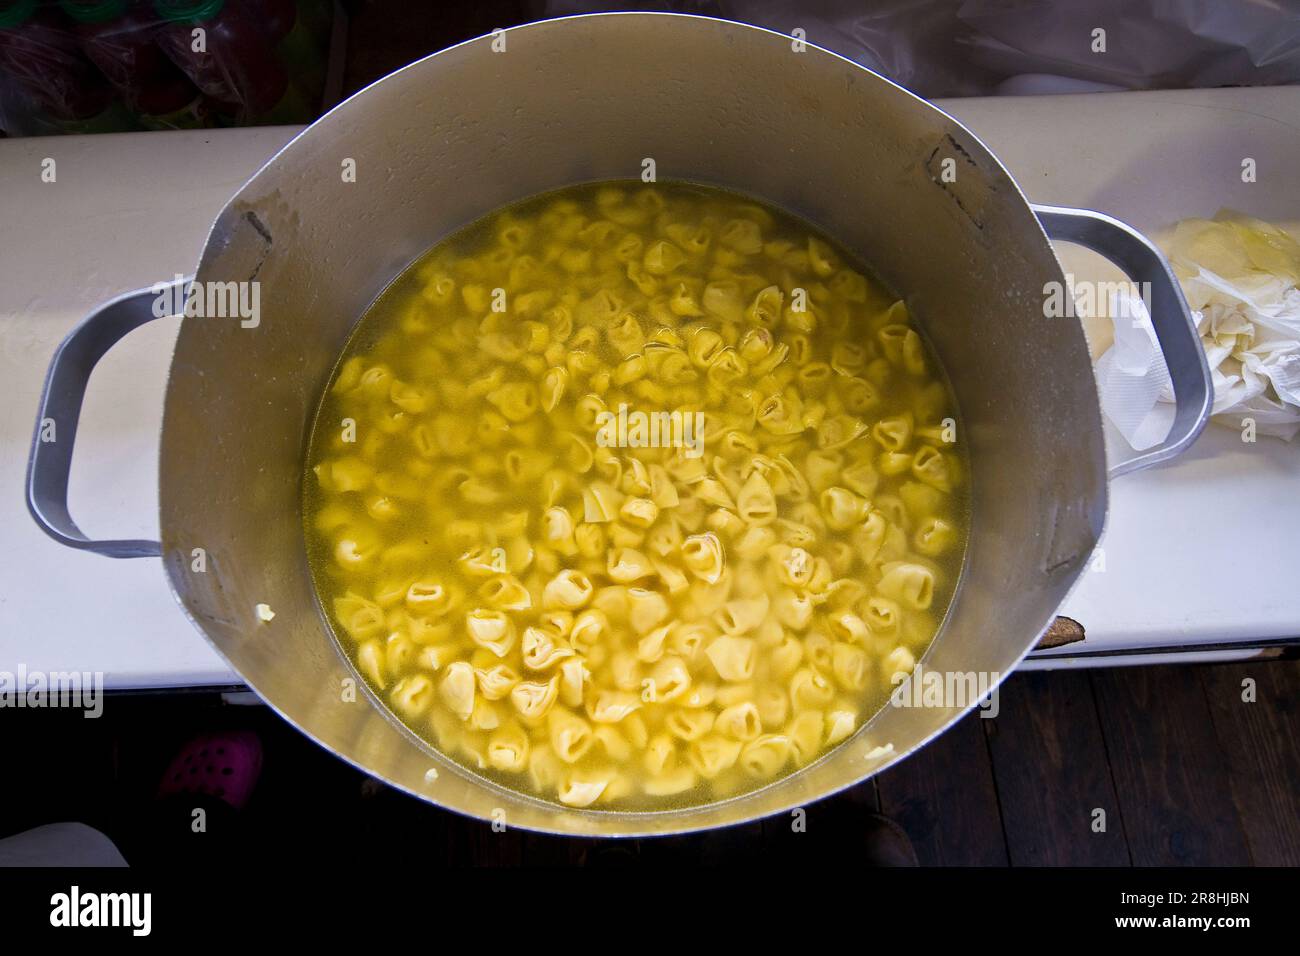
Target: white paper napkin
x,y
1240,279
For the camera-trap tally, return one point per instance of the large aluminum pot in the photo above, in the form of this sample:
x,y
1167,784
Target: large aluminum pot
x,y
482,124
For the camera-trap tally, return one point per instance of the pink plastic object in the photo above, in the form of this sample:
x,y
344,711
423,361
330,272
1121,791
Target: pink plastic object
x,y
223,765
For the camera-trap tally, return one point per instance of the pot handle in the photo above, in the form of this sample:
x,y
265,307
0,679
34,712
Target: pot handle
x,y
1180,343
50,462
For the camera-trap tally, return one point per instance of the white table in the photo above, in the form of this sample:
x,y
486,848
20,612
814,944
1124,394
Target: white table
x,y
1200,553
1205,550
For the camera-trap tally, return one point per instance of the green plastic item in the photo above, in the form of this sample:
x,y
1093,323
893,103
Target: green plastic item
x,y
94,11
16,13
179,11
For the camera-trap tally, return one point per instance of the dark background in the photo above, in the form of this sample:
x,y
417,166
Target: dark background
x,y
1187,773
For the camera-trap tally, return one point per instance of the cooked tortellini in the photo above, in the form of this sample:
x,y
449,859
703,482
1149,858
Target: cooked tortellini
x,y
636,495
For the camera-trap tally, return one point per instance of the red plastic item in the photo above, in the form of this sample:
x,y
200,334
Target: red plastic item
x,y
236,65
117,36
42,55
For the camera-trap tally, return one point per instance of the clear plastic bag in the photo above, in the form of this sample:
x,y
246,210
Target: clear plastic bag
x,y
942,48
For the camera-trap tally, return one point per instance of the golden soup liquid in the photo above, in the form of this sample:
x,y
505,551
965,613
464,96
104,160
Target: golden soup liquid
x,y
635,496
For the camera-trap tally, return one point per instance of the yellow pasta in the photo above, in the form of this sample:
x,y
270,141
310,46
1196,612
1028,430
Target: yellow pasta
x,y
647,498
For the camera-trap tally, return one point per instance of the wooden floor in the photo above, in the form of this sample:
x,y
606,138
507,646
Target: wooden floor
x,y
1129,766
